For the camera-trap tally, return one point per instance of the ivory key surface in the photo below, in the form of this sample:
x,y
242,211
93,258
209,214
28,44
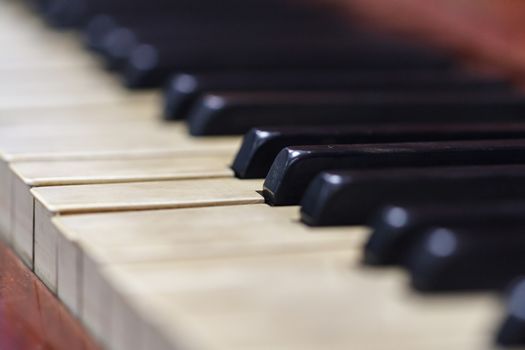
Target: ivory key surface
x,y
75,199
78,172
43,77
73,95
194,233
60,173
30,82
144,106
109,140
314,300
83,141
32,45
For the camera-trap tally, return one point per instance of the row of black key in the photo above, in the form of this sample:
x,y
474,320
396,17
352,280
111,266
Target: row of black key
x,y
186,91
147,42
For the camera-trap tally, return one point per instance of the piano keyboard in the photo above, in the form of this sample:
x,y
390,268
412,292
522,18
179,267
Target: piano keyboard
x,y
375,198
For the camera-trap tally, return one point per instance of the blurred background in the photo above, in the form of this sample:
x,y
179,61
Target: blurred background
x,y
488,34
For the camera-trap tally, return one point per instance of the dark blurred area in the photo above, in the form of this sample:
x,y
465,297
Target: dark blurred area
x,y
486,34
132,35
149,41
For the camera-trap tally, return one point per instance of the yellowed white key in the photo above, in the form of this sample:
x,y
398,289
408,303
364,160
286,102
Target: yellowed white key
x,y
194,233
315,300
48,75
20,63
25,133
143,106
107,141
67,200
27,175
80,172
30,56
72,96
36,46
21,29
120,158
29,82
166,141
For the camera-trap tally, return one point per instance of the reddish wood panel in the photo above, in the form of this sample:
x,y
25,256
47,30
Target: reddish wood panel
x,y
30,316
487,34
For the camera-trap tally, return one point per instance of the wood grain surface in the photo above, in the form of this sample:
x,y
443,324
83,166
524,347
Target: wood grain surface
x,y
31,317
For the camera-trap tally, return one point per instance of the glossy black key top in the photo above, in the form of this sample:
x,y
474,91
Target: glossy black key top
x,y
352,197
295,167
467,257
151,64
236,113
260,146
512,331
183,89
396,227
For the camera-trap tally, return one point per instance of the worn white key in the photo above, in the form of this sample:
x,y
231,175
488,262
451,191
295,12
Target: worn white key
x,y
143,106
83,141
27,175
316,300
73,95
195,233
33,80
66,200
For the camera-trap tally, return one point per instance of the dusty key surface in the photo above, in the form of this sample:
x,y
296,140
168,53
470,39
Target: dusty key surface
x,y
195,233
317,300
75,199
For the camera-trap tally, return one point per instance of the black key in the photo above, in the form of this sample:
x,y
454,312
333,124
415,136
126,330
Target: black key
x,y
107,32
184,31
236,113
196,23
351,197
396,227
76,13
150,64
96,30
260,146
183,89
295,167
467,257
512,331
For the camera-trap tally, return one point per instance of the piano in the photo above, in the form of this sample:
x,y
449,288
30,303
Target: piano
x,y
261,175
